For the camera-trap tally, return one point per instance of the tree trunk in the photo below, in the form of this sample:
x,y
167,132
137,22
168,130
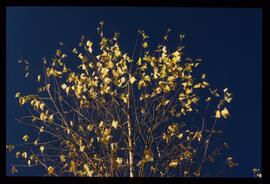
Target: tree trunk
x,y
130,142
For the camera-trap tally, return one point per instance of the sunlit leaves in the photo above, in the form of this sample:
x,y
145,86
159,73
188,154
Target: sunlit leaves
x,y
147,157
141,84
119,161
114,124
10,147
225,113
53,72
43,116
23,100
63,86
105,135
197,173
62,158
82,148
50,170
132,79
231,162
124,97
18,153
171,131
198,135
86,109
218,114
227,95
90,127
72,167
24,155
257,172
174,163
14,170
25,138
17,95
89,45
145,45
41,148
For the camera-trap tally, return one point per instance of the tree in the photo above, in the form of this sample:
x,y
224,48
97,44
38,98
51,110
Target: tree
x,y
111,114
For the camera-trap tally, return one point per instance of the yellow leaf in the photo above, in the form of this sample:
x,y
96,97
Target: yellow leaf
x,y
101,123
114,124
145,45
36,142
82,147
22,100
203,76
110,64
208,99
62,158
14,170
177,55
158,90
67,90
225,113
51,117
41,106
18,154
164,102
173,163
141,84
72,167
17,94
24,155
139,62
42,116
90,127
123,79
117,52
197,86
167,88
180,136
188,91
107,80
124,97
217,114
81,56
104,72
119,160
38,78
64,86
89,44
132,80
147,78
205,84
148,155
198,135
25,138
197,173
41,148
50,170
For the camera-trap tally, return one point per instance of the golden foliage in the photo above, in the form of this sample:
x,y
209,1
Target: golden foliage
x,y
88,109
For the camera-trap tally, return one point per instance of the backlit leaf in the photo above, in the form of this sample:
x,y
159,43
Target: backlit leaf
x,y
225,113
114,124
25,138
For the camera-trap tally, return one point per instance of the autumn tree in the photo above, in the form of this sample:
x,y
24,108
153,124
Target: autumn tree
x,y
100,111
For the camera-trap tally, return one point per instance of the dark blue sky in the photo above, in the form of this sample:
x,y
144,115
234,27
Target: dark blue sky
x,y
228,40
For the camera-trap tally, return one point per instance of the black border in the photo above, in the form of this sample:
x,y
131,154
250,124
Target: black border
x,y
156,3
